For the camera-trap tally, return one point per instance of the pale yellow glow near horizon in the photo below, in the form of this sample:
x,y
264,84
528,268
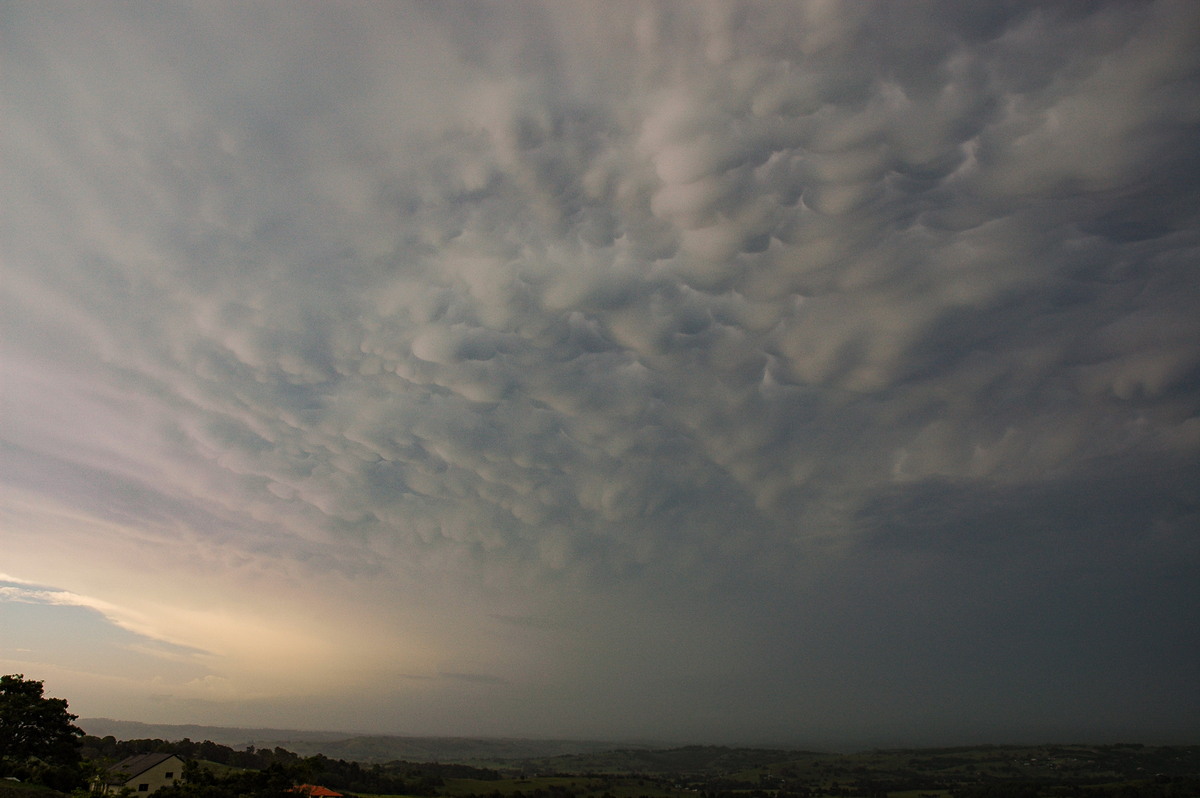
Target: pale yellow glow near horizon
x,y
247,654
254,634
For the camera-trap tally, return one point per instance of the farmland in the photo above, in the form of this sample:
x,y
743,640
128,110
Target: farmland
x,y
464,768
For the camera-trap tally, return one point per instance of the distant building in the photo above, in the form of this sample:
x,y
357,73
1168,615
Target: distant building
x,y
143,774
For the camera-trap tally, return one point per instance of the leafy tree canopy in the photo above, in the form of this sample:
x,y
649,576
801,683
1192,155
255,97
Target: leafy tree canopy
x,y
33,728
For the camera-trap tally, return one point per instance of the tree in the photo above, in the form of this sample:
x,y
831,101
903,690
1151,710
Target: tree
x,y
37,737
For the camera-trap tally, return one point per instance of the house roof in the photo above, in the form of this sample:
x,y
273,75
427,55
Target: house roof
x,y
315,791
137,764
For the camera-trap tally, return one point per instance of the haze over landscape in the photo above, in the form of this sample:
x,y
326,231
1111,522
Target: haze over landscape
x,y
805,373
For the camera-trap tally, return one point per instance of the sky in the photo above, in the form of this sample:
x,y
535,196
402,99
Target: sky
x,y
802,373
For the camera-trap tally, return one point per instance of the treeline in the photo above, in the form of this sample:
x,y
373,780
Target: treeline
x,y
259,771
250,758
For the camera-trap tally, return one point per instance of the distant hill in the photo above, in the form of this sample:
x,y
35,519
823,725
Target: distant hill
x,y
691,759
355,747
225,735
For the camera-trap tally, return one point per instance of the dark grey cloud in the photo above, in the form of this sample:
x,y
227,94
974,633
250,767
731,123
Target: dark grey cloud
x,y
657,324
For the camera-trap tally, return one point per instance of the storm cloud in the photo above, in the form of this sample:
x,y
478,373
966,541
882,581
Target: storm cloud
x,y
782,371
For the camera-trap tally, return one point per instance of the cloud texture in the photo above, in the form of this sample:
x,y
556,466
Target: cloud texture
x,y
760,371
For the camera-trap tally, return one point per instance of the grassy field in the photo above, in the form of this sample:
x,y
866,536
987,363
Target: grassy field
x,y
629,786
906,773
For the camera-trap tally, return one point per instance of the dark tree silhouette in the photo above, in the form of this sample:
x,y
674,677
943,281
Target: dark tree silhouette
x,y
38,739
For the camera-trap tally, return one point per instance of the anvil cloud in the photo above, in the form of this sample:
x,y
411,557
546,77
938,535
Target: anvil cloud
x,y
792,372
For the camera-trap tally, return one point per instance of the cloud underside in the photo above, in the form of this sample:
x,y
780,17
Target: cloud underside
x,y
560,298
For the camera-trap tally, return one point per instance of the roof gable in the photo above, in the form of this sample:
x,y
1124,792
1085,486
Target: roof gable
x,y
139,763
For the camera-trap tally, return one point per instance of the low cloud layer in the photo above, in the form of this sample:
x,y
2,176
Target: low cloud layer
x,y
766,371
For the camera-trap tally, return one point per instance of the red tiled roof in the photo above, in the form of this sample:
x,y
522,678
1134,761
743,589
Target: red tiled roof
x,y
315,791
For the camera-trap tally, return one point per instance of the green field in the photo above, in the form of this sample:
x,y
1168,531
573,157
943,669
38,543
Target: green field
x,y
989,771
628,786
1051,771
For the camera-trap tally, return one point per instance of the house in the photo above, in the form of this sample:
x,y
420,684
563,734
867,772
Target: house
x,y
143,774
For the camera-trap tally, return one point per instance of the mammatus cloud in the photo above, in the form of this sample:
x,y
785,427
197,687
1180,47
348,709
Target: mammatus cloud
x,y
653,324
